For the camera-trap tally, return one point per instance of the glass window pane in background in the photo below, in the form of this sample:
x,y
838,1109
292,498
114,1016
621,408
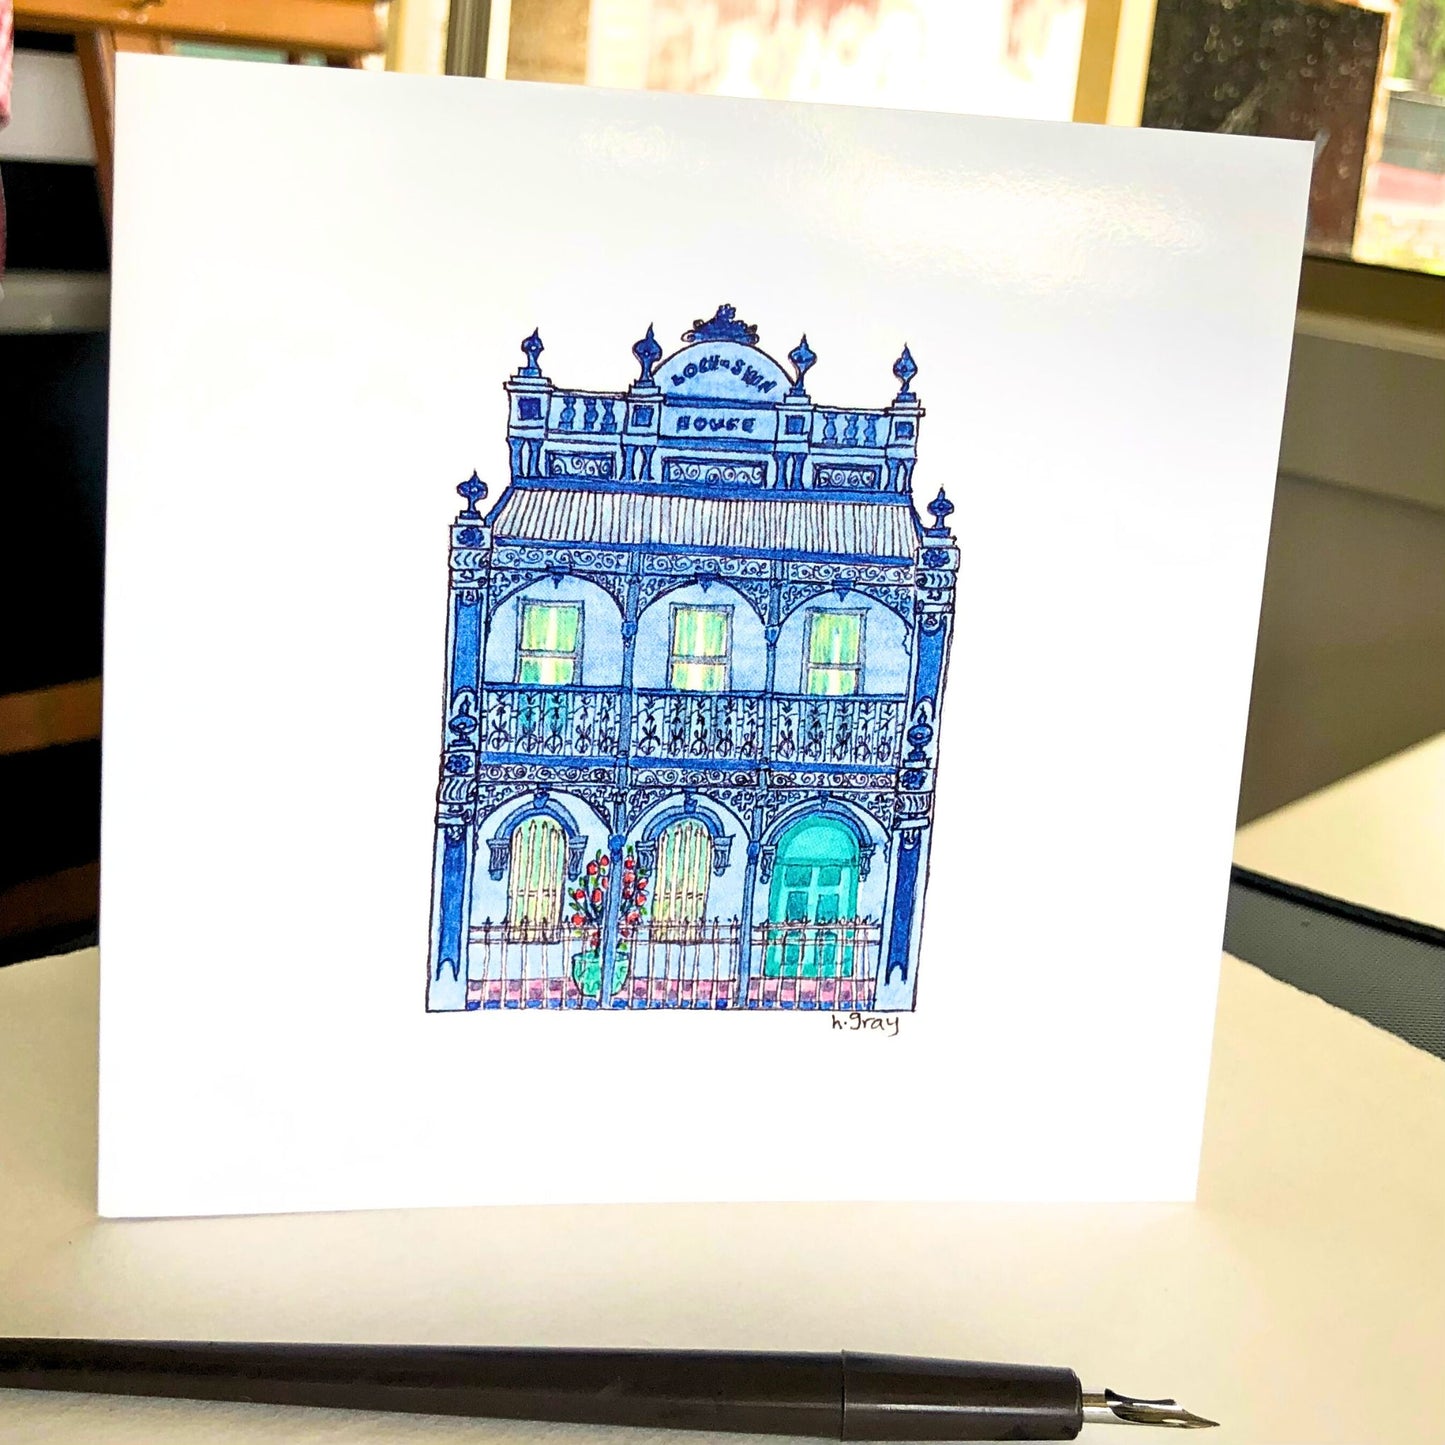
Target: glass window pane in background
x,y
1364,81
993,57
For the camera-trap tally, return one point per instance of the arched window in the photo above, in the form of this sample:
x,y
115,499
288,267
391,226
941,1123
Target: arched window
x,y
535,875
684,863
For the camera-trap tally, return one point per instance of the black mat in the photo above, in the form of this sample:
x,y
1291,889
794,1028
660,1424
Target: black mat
x,y
1389,971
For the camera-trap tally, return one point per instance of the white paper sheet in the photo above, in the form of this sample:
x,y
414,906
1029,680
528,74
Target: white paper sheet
x,y
321,283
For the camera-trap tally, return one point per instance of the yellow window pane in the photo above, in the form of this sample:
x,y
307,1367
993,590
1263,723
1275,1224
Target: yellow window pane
x,y
684,861
535,874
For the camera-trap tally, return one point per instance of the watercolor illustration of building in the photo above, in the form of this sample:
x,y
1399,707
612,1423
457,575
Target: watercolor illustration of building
x,y
695,656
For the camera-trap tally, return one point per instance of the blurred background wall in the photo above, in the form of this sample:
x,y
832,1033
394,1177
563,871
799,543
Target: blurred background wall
x,y
1351,658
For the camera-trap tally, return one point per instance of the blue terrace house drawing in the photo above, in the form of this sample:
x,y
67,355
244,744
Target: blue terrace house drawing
x,y
695,656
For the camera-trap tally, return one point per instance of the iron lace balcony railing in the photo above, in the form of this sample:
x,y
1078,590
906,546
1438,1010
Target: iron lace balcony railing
x,y
857,731
726,726
572,722
665,725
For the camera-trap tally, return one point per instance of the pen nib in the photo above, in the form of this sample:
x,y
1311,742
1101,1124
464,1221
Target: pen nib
x,y
1111,1408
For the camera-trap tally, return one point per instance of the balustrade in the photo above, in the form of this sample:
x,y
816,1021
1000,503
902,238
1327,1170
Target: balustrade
x,y
852,428
599,412
851,731
724,725
578,722
573,722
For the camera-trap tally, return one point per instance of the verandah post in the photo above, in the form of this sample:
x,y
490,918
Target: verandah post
x,y
455,846
611,912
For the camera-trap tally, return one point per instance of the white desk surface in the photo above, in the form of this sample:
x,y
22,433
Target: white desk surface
x,y
1376,838
1302,1299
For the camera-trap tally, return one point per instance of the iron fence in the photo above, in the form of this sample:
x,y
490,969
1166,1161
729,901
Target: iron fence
x,y
677,965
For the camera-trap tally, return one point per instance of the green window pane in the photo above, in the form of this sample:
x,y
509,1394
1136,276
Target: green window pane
x,y
835,639
797,905
827,908
830,877
796,877
700,632
684,631
550,626
546,671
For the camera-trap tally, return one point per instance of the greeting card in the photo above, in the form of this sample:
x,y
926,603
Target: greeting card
x,y
665,648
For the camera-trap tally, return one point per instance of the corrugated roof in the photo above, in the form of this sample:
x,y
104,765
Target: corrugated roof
x,y
774,524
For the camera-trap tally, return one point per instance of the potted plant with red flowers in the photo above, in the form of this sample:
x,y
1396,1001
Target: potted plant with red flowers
x,y
588,897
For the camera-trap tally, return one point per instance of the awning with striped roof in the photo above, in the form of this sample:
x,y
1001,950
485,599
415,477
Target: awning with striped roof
x,y
775,524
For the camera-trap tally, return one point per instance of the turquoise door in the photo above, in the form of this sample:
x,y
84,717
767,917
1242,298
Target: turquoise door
x,y
815,884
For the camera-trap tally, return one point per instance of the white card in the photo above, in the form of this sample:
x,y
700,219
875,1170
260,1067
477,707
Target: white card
x,y
709,811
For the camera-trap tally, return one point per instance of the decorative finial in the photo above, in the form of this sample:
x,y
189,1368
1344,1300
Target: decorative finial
x,y
473,489
648,354
802,356
940,509
532,349
462,721
905,369
724,326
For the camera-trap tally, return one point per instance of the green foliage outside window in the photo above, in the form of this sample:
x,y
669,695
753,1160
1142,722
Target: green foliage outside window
x,y
1420,48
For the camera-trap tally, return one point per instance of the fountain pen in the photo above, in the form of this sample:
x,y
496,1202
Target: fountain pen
x,y
843,1396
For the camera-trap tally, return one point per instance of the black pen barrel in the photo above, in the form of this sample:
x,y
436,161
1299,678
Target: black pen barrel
x,y
681,1390
834,1397
897,1397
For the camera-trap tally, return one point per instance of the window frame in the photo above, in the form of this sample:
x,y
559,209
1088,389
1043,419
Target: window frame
x,y
857,668
723,660
671,888
524,654
528,897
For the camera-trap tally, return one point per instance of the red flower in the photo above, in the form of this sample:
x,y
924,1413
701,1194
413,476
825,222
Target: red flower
x,y
579,894
597,895
633,916
591,868
578,920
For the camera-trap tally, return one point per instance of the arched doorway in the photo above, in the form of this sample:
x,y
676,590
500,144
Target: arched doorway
x,y
684,865
536,876
815,885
